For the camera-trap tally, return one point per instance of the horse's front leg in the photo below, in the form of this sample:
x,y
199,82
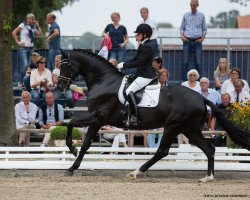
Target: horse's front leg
x,y
85,120
91,133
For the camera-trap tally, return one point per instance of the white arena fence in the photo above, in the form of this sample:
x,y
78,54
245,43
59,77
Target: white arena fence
x,y
186,157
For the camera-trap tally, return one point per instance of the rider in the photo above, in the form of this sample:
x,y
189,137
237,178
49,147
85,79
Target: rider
x,y
145,72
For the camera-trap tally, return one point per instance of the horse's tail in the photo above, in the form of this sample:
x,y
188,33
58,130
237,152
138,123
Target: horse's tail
x,y
240,137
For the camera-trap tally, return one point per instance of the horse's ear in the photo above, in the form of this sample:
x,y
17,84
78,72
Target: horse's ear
x,y
64,55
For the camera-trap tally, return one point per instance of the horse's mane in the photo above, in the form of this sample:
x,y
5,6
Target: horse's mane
x,y
91,53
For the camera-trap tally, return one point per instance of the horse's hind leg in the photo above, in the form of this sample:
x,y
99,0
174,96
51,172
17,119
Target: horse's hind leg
x,y
198,139
167,139
92,131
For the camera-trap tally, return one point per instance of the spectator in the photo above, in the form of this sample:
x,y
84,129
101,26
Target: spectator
x,y
152,23
210,94
155,139
32,66
40,81
163,77
192,32
68,94
157,65
192,82
221,73
132,137
50,115
238,94
53,39
113,62
117,138
27,30
25,113
119,38
228,86
225,106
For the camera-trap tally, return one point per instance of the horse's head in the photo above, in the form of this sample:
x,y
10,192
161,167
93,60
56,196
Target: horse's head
x,y
66,77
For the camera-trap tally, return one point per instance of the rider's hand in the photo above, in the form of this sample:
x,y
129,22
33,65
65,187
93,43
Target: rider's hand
x,y
120,66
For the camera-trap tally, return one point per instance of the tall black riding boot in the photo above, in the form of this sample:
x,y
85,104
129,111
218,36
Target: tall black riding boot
x,y
133,120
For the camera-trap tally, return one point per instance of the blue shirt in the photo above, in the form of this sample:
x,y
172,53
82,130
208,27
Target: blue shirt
x,y
116,35
51,114
193,25
55,42
212,95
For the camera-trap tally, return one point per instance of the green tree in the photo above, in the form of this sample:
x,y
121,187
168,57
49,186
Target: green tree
x,y
224,20
7,123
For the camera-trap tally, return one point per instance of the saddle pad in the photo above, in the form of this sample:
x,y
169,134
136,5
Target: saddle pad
x,y
150,97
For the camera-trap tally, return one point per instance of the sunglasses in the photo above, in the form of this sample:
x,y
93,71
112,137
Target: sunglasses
x,y
192,75
42,62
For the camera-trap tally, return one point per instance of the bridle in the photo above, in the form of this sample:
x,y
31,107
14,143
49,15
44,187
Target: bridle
x,y
64,79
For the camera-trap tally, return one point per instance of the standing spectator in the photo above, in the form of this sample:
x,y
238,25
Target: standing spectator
x,y
32,66
152,143
68,94
192,82
224,106
152,23
53,39
238,94
40,80
50,115
119,38
228,86
192,32
25,113
27,31
221,73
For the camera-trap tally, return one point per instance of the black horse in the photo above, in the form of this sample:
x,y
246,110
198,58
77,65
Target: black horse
x,y
180,110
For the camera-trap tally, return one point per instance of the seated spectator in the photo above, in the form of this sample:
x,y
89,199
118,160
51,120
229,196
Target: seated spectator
x,y
211,95
221,73
25,113
155,139
157,65
132,137
32,66
40,81
68,94
117,138
238,94
192,82
228,86
51,114
163,77
215,125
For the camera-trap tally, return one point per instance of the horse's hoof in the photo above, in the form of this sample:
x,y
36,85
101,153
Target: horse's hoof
x,y
74,151
68,173
206,179
134,174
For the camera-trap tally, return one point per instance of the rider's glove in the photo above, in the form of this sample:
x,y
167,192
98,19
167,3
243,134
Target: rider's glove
x,y
120,66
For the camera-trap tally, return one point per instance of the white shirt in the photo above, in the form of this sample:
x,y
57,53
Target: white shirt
x,y
243,96
24,35
153,25
228,86
196,88
36,77
56,71
22,117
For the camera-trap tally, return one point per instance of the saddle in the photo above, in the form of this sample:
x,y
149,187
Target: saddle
x,y
139,94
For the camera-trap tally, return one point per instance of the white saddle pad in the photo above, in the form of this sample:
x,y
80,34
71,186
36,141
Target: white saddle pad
x,y
150,97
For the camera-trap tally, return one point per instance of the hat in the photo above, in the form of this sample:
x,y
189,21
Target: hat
x,y
76,89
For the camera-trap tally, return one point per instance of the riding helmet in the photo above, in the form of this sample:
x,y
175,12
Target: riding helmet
x,y
144,29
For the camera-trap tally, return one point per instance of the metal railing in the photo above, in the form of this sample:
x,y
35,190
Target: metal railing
x,y
170,49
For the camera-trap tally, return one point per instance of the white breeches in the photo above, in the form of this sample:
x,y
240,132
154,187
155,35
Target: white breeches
x,y
138,84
